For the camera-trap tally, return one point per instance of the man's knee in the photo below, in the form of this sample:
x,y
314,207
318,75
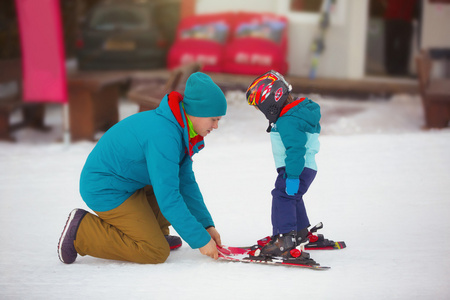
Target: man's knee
x,y
152,255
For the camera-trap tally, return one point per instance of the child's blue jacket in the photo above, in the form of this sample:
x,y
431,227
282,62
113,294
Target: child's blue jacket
x,y
295,135
150,148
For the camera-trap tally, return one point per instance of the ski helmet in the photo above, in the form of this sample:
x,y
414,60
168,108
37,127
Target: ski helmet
x,y
268,93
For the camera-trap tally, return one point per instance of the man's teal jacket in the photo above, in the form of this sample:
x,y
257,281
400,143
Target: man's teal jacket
x,y
150,148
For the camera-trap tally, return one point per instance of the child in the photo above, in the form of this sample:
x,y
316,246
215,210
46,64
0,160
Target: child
x,y
138,180
294,129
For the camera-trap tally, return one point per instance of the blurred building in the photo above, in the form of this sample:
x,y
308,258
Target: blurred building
x,y
354,40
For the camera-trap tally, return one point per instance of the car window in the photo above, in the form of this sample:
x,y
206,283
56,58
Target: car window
x,y
120,17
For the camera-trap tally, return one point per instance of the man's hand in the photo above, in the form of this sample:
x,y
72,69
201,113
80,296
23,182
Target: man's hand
x,y
210,249
215,235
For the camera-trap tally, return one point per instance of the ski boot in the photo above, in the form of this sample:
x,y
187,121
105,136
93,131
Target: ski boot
x,y
280,245
289,247
302,238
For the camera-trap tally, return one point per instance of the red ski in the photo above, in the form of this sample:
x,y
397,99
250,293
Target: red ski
x,y
238,254
297,258
316,241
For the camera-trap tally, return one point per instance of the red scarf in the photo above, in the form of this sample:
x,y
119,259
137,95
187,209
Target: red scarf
x,y
290,105
174,99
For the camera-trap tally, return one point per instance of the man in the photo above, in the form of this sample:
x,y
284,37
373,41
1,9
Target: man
x,y
139,180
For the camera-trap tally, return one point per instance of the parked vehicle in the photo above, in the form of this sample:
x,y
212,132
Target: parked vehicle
x,y
124,35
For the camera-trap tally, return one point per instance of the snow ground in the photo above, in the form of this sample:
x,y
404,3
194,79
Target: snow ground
x,y
382,187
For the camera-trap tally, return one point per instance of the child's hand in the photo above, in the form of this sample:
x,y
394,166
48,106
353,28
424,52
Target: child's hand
x,y
292,186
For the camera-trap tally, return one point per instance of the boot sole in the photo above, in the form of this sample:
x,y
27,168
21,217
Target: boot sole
x,y
63,234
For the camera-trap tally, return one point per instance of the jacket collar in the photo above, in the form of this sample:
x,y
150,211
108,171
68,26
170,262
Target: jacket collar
x,y
290,105
194,144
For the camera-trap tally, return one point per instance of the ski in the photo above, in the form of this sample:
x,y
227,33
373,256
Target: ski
x,y
237,254
296,257
316,242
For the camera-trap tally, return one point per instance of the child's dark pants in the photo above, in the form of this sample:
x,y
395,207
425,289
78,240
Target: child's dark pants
x,y
289,212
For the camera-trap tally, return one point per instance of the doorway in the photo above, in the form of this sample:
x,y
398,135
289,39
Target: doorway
x,y
392,37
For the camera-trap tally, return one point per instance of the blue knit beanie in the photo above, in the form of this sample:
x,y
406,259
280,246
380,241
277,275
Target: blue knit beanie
x,y
203,98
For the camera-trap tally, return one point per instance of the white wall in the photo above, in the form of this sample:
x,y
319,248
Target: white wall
x,y
209,6
345,40
435,34
356,29
435,25
344,56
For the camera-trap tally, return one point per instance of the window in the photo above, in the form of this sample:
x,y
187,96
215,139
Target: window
x,y
311,6
124,17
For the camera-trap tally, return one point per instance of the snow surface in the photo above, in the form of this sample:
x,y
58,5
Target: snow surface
x,y
382,187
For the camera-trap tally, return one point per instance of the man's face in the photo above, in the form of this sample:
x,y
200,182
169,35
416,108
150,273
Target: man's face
x,y
203,126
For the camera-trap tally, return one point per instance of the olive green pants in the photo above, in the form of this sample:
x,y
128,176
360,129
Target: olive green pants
x,y
133,232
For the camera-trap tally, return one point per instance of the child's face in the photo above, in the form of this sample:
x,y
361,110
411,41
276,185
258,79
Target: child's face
x,y
203,126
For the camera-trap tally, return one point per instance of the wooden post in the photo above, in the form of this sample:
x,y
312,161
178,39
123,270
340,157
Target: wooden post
x,y
187,8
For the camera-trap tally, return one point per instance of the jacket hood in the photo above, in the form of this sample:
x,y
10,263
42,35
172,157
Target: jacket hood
x,y
306,110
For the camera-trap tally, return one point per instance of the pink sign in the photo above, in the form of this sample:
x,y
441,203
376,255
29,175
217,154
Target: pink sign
x,y
43,58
